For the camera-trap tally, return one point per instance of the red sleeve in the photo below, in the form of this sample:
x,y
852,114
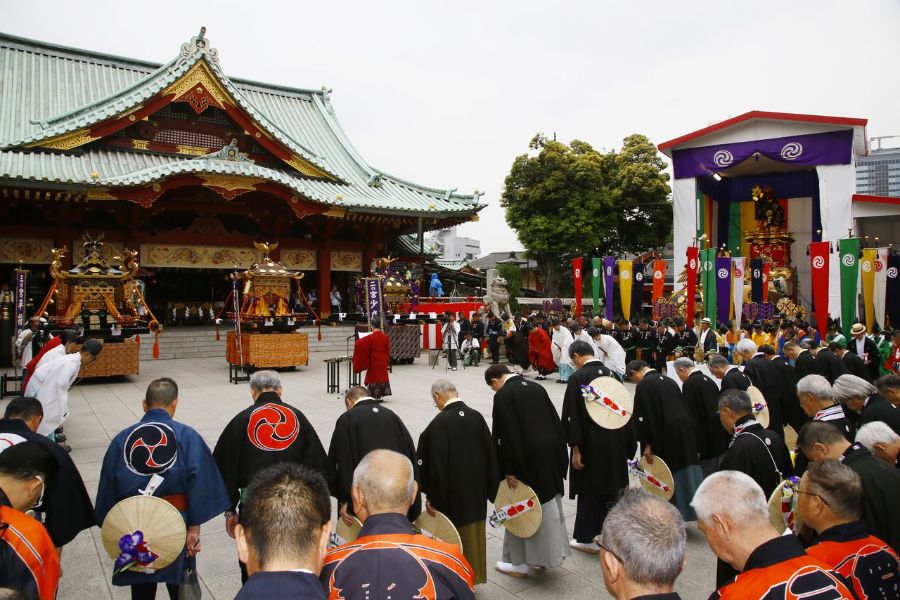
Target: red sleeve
x,y
361,354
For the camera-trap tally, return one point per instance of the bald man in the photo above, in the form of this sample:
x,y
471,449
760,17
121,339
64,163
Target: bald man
x,y
389,559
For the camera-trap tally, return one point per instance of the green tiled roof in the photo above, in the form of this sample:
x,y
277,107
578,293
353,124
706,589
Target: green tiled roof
x,y
48,90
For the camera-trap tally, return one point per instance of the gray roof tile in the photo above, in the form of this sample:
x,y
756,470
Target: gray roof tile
x,y
67,89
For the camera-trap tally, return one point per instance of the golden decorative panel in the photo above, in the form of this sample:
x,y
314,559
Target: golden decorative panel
x,y
299,260
66,141
200,73
29,251
116,359
344,260
198,257
266,350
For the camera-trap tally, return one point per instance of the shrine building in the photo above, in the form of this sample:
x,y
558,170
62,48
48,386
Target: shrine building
x,y
189,167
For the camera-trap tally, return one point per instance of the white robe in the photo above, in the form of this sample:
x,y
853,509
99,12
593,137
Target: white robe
x,y
562,339
51,355
50,384
584,337
25,347
611,353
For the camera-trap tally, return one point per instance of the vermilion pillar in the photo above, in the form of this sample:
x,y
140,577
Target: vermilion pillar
x,y
323,258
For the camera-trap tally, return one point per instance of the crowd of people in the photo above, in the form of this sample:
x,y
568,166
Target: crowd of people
x,y
271,476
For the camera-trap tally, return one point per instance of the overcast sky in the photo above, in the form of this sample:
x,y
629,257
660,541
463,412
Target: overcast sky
x,y
447,94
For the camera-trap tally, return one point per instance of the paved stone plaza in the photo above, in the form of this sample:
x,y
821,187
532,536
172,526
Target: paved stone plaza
x,y
99,410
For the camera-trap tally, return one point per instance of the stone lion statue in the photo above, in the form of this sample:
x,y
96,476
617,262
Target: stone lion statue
x,y
497,298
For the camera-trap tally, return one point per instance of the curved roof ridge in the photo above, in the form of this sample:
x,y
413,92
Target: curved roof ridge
x,y
331,119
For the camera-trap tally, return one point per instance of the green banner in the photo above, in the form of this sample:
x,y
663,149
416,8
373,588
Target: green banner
x,y
595,281
708,278
849,251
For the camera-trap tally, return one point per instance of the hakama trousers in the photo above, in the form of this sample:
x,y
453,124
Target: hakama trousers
x,y
566,371
687,480
475,548
547,548
590,513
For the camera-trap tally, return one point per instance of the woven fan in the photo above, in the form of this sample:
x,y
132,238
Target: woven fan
x,y
439,527
518,509
160,523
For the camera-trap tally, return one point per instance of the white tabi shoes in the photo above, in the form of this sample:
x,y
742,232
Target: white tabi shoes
x,y
511,569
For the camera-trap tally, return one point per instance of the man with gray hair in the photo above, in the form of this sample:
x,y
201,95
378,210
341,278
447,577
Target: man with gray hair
x,y
861,398
267,432
733,514
458,470
752,450
701,395
880,440
389,559
642,547
829,501
881,483
816,398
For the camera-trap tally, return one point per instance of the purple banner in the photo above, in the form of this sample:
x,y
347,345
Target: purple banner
x,y
832,148
892,290
609,263
373,299
236,301
20,300
723,288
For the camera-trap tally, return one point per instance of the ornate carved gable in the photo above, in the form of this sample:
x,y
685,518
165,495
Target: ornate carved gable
x,y
195,83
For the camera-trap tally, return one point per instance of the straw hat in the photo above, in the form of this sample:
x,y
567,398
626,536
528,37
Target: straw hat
x,y
438,527
757,398
347,533
661,472
160,524
775,515
525,523
857,329
610,405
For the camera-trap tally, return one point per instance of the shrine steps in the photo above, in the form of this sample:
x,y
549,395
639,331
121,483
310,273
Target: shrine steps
x,y
200,342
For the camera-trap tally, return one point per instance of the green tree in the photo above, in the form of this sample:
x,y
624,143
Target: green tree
x,y
513,276
565,200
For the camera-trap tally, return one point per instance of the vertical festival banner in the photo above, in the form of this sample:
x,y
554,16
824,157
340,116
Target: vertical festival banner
x,y
708,277
723,288
880,285
737,289
659,282
767,271
579,281
21,277
693,264
867,275
756,280
626,278
595,281
373,299
637,292
608,263
236,304
849,253
819,253
892,290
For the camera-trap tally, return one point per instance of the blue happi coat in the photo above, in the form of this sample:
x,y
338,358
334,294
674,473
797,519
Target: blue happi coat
x,y
160,445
